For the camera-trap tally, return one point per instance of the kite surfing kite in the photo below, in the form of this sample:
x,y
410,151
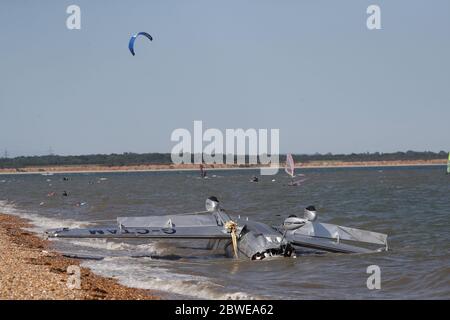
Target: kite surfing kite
x,y
133,38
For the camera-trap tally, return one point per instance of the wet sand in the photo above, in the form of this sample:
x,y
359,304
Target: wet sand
x,y
30,269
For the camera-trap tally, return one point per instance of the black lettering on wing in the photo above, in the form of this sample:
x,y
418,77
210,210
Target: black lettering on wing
x,y
93,232
168,230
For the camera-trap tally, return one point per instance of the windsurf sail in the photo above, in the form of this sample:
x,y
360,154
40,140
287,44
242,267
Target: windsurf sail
x,y
448,164
290,166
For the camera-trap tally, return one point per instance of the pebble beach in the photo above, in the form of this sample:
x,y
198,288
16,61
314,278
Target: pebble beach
x,y
31,270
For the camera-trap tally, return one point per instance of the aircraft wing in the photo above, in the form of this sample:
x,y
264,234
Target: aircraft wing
x,y
201,232
329,237
324,244
154,227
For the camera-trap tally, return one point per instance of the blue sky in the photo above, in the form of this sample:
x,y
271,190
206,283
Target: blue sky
x,y
309,68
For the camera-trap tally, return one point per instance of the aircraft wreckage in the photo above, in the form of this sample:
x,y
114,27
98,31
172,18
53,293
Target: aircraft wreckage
x,y
240,238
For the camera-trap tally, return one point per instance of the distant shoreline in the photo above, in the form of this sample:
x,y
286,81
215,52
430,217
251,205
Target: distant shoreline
x,y
195,167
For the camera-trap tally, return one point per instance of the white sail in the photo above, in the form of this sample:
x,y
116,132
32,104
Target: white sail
x,y
290,166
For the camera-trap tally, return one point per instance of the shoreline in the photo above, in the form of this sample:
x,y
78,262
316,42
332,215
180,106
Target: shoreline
x,y
215,167
31,269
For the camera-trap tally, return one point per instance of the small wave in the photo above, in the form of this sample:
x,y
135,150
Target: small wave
x,y
144,276
40,223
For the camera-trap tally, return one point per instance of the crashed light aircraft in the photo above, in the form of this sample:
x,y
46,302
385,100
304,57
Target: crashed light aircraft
x,y
240,238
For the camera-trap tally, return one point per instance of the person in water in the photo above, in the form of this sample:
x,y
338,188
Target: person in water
x,y
202,171
254,179
65,194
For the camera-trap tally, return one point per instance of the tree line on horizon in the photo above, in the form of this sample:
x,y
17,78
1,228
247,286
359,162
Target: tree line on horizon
x,y
128,159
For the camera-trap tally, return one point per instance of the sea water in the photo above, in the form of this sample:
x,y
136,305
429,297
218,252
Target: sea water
x,y
410,204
